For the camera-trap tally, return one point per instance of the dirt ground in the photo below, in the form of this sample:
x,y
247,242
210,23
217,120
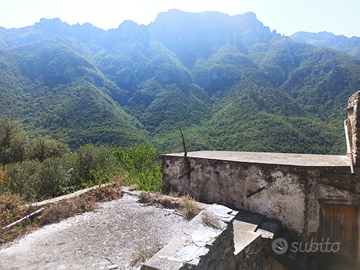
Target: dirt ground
x,y
117,231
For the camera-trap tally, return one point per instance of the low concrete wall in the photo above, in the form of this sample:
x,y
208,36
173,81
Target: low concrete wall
x,y
292,190
254,257
207,243
200,246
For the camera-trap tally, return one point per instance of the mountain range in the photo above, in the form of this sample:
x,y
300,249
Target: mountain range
x,y
340,42
228,81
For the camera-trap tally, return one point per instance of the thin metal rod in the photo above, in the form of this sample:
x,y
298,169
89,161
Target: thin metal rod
x,y
349,154
182,136
26,217
186,173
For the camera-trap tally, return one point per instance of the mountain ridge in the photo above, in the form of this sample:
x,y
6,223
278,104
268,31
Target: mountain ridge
x,y
338,42
227,81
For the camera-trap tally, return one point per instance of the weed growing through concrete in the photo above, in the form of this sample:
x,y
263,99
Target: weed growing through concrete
x,y
190,206
144,197
186,205
169,203
144,251
133,187
210,220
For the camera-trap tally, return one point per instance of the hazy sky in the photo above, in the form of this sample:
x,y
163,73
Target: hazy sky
x,y
286,16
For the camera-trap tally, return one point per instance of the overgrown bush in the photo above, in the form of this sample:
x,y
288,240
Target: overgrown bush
x,y
12,208
13,141
51,170
37,180
140,166
91,165
42,148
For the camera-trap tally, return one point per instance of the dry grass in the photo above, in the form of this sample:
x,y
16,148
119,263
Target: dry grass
x,y
145,197
144,251
186,205
190,206
210,220
133,187
12,208
169,203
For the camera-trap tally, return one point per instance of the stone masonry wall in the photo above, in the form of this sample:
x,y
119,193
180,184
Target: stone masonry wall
x,y
290,194
253,257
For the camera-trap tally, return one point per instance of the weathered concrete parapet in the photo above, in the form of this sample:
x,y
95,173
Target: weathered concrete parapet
x,y
206,243
286,187
353,126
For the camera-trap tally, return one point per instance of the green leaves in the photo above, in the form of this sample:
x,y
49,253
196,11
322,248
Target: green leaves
x,y
36,180
42,148
140,166
13,141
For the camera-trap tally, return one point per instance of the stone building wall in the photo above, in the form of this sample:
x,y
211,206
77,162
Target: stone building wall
x,y
291,194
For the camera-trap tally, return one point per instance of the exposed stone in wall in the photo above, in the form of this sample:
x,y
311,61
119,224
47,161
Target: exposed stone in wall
x,y
254,257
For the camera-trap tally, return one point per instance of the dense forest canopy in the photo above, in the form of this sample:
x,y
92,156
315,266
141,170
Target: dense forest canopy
x,y
227,81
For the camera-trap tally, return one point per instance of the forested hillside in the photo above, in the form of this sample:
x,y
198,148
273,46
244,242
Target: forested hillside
x,y
228,82
340,42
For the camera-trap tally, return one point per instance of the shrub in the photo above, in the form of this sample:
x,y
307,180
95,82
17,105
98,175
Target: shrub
x,y
140,166
42,148
169,203
47,174
91,165
3,178
37,180
144,197
12,208
105,193
13,141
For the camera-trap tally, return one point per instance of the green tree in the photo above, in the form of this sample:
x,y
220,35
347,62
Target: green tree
x,y
87,160
13,141
140,166
42,148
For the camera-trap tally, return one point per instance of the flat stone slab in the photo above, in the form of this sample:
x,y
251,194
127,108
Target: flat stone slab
x,y
116,230
268,228
248,227
271,158
244,239
245,224
252,220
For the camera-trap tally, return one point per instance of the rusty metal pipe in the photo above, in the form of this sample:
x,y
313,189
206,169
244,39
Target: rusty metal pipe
x,y
349,154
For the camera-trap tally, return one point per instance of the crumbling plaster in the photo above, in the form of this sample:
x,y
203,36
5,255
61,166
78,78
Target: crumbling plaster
x,y
291,194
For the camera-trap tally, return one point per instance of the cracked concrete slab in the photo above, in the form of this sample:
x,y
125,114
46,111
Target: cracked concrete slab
x,y
114,232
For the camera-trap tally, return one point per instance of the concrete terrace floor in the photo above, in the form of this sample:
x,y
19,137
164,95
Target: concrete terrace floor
x,y
116,230
272,158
